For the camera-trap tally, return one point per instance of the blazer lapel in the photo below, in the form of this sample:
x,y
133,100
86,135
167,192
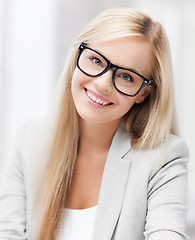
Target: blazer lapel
x,y
113,186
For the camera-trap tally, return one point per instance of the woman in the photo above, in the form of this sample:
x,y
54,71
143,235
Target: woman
x,y
106,163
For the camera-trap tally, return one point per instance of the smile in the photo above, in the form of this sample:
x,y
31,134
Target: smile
x,y
96,99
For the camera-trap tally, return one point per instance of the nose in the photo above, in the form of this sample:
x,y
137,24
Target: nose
x,y
104,82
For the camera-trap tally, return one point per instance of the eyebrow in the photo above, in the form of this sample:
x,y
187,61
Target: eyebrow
x,y
131,69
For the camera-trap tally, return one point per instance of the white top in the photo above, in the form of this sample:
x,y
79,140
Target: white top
x,y
78,224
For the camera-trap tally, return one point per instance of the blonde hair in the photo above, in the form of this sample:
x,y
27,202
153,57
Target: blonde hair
x,y
149,123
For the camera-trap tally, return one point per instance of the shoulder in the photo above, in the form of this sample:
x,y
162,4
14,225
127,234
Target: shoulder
x,y
152,161
174,150
176,147
173,160
30,143
167,190
30,152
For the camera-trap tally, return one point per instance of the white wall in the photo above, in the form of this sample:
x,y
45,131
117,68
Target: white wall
x,y
28,58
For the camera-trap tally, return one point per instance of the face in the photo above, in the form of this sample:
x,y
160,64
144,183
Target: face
x,y
95,98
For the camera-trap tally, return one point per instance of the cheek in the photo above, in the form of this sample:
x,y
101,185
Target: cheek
x,y
76,83
126,103
78,78
75,79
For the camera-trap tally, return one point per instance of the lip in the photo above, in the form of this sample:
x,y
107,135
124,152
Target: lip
x,y
108,103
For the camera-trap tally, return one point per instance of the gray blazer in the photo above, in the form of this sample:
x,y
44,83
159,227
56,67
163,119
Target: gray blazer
x,y
142,195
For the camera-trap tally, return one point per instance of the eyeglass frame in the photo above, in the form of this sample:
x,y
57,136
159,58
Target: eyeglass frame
x,y
113,67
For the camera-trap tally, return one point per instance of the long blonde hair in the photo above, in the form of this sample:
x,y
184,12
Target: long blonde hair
x,y
149,123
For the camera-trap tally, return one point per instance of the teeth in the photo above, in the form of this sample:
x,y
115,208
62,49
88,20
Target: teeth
x,y
97,100
94,98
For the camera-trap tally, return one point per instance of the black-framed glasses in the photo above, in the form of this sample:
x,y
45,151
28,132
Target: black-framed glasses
x,y
125,80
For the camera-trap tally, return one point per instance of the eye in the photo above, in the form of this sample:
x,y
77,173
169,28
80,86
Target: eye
x,y
96,61
126,77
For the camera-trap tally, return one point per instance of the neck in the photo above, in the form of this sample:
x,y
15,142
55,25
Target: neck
x,y
96,137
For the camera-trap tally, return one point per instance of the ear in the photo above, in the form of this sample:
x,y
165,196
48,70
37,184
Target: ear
x,y
143,95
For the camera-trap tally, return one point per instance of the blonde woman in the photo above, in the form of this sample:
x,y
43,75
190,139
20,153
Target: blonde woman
x,y
106,163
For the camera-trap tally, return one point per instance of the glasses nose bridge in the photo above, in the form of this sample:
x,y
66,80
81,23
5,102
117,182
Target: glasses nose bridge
x,y
112,66
109,66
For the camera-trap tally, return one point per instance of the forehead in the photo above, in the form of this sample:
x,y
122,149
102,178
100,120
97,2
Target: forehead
x,y
129,52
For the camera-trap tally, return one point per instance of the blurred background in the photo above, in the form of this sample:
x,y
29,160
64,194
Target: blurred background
x,y
35,36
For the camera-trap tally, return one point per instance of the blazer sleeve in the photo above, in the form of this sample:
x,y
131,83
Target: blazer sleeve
x,y
167,199
12,196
